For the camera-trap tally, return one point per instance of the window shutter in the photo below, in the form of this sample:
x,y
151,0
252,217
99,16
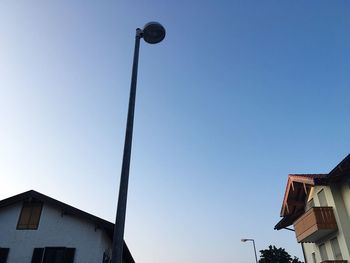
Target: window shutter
x,y
30,215
37,255
24,216
33,222
3,254
69,255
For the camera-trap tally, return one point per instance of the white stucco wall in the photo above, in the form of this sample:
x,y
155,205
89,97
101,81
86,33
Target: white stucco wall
x,y
344,216
54,230
335,198
345,191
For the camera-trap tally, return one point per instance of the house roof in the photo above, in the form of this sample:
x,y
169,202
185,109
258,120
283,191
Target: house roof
x,y
66,209
297,190
341,170
298,187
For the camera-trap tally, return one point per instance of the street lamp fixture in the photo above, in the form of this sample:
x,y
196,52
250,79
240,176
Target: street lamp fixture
x,y
250,239
152,33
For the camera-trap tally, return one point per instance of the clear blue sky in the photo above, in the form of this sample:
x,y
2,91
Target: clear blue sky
x,y
238,95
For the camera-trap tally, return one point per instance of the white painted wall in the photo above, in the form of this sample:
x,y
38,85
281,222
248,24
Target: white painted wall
x,y
53,230
339,199
345,191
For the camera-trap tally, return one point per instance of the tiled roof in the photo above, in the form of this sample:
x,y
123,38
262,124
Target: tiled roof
x,y
309,175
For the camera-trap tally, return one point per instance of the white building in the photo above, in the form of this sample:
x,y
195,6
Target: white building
x,y
35,228
318,206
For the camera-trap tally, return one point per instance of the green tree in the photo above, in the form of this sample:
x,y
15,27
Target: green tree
x,y
276,255
296,260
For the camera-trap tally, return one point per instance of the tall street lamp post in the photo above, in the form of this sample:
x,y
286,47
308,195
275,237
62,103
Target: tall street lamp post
x,y
249,239
152,33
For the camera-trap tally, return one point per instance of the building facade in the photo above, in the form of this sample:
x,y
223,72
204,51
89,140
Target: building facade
x,y
35,228
318,206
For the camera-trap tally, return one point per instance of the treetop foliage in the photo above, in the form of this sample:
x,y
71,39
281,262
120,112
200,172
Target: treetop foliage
x,y
276,255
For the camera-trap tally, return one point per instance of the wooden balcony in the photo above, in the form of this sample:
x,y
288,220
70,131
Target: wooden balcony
x,y
315,224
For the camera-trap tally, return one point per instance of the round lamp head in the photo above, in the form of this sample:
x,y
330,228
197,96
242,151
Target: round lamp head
x,y
153,32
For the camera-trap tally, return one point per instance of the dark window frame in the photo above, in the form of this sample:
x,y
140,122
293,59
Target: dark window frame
x,y
40,255
4,252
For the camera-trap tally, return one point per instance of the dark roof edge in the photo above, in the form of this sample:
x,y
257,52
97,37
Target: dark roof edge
x,y
287,221
339,168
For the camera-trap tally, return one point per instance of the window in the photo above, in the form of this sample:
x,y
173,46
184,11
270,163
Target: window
x,y
322,198
53,255
314,258
30,215
3,254
323,252
336,249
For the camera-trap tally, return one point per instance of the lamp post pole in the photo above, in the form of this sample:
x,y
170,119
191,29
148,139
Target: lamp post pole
x,y
152,33
118,236
250,239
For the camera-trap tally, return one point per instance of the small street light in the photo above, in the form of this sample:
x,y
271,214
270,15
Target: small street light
x,y
250,239
152,33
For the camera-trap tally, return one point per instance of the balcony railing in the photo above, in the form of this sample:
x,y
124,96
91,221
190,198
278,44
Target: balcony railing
x,y
315,224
